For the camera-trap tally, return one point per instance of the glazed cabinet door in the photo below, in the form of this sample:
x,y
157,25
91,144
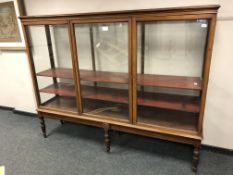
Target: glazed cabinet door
x,y
169,72
103,58
51,62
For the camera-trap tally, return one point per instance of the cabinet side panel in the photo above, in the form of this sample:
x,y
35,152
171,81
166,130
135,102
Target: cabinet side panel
x,y
206,71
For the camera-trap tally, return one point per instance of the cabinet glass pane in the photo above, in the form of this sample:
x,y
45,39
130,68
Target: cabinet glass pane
x,y
170,57
103,65
50,51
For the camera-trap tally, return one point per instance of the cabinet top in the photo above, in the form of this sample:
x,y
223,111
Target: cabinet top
x,y
186,9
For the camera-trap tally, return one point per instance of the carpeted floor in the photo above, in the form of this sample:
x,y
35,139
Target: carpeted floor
x,y
73,149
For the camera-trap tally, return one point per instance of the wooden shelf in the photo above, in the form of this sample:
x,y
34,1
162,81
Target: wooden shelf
x,y
105,94
168,118
63,89
104,76
146,115
106,109
63,103
89,92
166,81
165,101
87,75
58,73
169,101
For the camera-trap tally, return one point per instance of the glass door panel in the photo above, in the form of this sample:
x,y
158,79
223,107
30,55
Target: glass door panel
x,y
103,64
50,51
170,58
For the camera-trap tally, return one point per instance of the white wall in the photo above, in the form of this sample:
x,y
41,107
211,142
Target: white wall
x,y
218,123
15,81
16,84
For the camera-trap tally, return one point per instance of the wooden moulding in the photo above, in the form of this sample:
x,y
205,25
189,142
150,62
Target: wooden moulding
x,y
212,9
12,49
157,131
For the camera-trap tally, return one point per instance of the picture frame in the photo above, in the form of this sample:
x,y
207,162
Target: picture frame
x,y
10,27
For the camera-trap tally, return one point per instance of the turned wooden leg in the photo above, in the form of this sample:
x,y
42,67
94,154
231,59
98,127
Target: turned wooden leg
x,y
62,122
196,156
106,137
42,125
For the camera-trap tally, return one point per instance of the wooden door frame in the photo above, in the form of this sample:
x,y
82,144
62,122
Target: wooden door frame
x,y
206,59
105,19
31,61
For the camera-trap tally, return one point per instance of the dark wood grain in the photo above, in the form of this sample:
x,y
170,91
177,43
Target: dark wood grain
x,y
130,68
92,48
142,48
107,141
169,81
165,101
57,72
50,50
87,75
42,125
169,101
104,76
74,54
62,103
196,157
106,94
206,69
171,10
168,118
63,89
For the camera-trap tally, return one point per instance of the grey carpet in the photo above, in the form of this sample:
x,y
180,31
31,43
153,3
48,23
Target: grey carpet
x,y
73,149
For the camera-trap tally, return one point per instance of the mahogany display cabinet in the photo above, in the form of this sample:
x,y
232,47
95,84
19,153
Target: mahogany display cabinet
x,y
143,72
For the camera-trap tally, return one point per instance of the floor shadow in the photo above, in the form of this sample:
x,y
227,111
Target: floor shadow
x,y
124,142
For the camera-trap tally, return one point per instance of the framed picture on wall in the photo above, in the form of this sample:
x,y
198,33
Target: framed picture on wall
x,y
9,29
11,36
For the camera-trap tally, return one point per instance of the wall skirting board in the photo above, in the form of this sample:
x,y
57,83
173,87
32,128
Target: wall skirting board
x,y
15,111
204,146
